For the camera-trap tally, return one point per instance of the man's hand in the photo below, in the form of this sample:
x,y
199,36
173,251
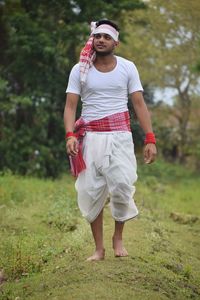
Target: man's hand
x,y
72,146
150,152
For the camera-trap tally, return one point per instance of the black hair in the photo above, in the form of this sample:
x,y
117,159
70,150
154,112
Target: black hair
x,y
108,22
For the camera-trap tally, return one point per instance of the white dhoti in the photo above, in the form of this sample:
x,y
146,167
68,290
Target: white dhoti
x,y
110,170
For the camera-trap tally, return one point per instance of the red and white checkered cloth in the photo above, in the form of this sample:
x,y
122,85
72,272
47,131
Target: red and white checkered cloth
x,y
115,122
87,56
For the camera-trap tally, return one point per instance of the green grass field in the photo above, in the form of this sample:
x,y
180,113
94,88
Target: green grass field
x,y
44,241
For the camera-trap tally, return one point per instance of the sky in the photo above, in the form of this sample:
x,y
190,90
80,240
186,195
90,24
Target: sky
x,y
166,95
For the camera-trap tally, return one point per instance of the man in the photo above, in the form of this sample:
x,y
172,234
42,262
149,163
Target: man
x,y
102,135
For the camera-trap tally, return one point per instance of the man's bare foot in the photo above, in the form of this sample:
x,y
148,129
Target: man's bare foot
x,y
119,250
98,255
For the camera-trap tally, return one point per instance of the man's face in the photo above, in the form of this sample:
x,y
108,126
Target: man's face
x,y
104,44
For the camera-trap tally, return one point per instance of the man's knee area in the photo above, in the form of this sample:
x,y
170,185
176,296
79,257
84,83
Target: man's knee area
x,y
122,191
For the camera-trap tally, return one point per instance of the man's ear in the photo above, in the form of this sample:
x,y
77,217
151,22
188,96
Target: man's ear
x,y
116,43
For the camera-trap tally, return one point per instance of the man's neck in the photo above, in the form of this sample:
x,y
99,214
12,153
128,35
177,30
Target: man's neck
x,y
105,63
105,60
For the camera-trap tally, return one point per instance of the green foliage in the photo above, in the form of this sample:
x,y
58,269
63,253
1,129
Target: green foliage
x,y
61,214
164,43
40,43
31,212
43,260
21,260
165,172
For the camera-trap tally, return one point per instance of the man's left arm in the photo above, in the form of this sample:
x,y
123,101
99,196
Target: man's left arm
x,y
144,119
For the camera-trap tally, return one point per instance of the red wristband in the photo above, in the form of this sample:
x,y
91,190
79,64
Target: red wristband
x,y
150,138
69,133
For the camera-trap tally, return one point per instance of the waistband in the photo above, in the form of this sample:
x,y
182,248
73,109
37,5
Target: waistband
x,y
116,122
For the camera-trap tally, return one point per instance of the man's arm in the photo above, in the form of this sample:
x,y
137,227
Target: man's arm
x,y
143,116
69,120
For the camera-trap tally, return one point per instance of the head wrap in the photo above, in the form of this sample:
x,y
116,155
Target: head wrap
x,y
88,54
105,28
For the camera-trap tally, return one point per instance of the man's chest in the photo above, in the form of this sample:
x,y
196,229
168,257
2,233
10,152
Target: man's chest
x,y
99,81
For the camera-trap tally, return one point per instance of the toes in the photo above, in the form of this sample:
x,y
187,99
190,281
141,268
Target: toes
x,y
96,256
122,253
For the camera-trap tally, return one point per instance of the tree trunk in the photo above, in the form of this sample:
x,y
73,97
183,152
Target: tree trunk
x,y
185,108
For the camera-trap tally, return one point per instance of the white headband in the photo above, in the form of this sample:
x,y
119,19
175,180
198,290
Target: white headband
x,y
105,28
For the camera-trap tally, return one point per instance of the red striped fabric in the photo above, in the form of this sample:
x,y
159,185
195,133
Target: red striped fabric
x,y
87,57
115,122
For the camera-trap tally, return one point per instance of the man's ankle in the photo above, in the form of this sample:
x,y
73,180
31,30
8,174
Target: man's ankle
x,y
100,249
117,237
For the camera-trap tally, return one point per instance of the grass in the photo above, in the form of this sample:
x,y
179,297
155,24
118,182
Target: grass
x,y
45,241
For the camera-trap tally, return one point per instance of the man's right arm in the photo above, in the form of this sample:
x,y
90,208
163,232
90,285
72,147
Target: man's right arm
x,y
69,120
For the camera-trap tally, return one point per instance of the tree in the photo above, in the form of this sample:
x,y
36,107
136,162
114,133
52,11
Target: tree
x,y
163,40
40,41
